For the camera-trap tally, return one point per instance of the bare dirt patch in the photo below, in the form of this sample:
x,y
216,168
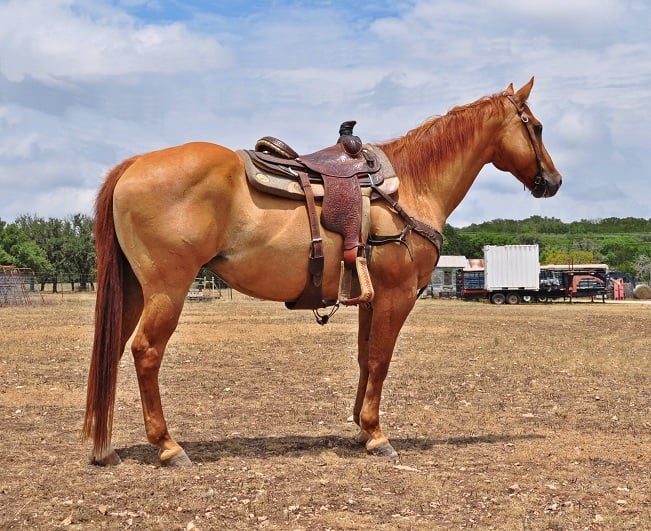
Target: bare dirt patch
x,y
532,416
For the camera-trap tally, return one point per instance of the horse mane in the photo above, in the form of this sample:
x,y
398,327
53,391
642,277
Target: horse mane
x,y
429,146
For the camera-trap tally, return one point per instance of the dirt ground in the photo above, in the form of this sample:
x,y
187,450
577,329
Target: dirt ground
x,y
512,417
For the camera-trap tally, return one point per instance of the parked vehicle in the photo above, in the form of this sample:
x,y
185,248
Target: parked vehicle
x,y
513,274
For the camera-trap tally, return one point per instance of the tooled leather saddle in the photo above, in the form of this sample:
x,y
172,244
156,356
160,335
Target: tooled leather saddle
x,y
344,177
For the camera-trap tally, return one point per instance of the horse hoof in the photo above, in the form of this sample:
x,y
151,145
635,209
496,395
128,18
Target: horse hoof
x,y
381,448
179,459
384,450
110,459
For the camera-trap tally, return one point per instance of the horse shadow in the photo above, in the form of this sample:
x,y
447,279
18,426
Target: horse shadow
x,y
301,445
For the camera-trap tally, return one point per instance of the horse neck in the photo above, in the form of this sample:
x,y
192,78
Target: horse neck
x,y
438,161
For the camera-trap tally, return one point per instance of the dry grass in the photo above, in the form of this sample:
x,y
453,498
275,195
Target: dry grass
x,y
525,417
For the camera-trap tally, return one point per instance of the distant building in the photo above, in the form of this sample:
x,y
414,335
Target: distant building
x,y
444,276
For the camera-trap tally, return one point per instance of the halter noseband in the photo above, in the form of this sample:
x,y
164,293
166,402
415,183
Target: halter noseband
x,y
539,180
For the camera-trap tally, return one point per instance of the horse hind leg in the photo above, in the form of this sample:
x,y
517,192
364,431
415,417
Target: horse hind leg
x,y
159,319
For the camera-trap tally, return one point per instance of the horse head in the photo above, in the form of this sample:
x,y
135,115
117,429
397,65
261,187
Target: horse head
x,y
520,150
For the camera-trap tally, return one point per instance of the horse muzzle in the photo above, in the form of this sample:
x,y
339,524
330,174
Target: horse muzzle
x,y
545,185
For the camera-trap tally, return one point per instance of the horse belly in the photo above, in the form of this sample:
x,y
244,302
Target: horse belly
x,y
268,258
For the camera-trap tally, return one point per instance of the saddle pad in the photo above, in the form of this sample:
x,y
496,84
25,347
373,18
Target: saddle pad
x,y
288,187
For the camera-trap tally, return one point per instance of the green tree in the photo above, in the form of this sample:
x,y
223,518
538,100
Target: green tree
x,y
614,241
620,252
67,244
78,249
18,249
642,267
5,257
49,236
573,256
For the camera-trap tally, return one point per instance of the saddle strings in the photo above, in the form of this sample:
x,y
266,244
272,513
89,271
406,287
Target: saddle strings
x,y
323,319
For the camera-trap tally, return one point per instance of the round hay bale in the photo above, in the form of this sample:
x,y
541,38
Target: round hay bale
x,y
642,292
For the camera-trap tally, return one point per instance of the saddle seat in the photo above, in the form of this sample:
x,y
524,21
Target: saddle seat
x,y
343,177
269,170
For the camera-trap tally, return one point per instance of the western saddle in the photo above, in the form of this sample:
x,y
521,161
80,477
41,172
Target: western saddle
x,y
345,178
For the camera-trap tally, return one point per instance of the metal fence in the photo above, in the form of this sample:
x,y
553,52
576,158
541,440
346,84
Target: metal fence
x,y
16,286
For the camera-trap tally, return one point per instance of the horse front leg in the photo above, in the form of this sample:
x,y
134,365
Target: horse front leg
x,y
379,327
159,320
363,335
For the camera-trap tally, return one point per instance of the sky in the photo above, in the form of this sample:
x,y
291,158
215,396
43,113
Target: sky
x,y
85,84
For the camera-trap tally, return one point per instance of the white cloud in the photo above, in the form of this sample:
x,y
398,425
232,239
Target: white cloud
x,y
86,83
57,40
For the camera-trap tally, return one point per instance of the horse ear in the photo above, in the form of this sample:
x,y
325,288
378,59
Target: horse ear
x,y
522,95
509,89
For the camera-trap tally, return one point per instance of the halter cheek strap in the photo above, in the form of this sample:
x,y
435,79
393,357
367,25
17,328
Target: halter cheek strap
x,y
539,180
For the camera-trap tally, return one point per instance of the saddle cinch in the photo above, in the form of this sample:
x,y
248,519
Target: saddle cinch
x,y
345,178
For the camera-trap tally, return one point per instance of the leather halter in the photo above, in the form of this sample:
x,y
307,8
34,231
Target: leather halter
x,y
539,180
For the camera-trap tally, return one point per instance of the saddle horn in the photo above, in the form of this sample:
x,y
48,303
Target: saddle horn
x,y
352,144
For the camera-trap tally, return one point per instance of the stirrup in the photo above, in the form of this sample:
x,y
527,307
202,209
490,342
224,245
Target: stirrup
x,y
355,286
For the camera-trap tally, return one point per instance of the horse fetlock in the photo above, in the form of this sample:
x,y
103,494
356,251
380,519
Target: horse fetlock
x,y
362,437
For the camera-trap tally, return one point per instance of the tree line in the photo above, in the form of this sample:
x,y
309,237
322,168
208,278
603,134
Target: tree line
x,y
624,244
63,249
54,249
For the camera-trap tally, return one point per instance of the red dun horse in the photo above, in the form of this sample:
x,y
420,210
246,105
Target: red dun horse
x,y
161,216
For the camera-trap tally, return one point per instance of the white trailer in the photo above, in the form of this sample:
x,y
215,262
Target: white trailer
x,y
511,272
